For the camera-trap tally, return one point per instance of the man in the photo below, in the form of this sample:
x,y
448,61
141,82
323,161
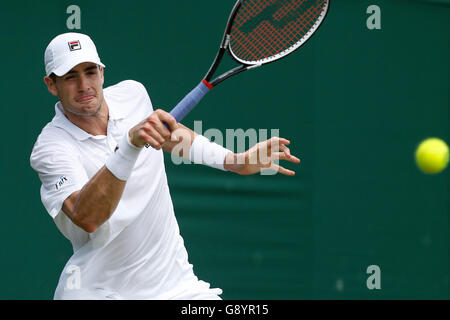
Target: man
x,y
107,194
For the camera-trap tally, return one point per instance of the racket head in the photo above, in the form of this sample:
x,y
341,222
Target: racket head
x,y
263,31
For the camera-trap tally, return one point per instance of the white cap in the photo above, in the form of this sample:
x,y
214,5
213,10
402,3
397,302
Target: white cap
x,y
68,50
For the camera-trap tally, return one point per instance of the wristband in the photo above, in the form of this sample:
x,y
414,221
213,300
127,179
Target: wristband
x,y
208,153
121,162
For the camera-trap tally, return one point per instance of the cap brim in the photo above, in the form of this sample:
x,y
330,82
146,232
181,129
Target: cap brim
x,y
63,69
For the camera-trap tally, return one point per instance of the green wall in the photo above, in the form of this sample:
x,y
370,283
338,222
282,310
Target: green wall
x,y
354,102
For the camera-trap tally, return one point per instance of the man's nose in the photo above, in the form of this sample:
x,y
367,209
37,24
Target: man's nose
x,y
83,84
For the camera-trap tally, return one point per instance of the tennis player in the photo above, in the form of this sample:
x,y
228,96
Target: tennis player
x,y
108,194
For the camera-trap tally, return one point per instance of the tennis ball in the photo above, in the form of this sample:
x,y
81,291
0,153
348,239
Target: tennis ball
x,y
432,155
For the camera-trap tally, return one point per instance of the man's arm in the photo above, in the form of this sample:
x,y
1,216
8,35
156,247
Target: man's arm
x,y
94,204
91,206
259,157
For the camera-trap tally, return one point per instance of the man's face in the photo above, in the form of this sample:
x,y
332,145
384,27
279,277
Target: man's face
x,y
80,90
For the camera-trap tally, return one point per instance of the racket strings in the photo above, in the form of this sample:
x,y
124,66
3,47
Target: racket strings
x,y
266,28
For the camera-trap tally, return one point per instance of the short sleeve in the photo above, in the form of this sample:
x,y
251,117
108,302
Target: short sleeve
x,y
145,96
60,171
131,97
143,93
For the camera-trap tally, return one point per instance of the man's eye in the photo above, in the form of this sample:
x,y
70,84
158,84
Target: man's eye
x,y
68,78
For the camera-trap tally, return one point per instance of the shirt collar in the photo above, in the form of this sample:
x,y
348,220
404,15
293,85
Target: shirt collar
x,y
61,121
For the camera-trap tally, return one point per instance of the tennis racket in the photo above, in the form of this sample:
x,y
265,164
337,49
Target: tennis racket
x,y
258,32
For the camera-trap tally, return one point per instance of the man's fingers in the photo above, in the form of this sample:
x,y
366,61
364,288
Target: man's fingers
x,y
150,140
284,156
159,119
275,143
156,125
282,170
155,134
285,150
167,118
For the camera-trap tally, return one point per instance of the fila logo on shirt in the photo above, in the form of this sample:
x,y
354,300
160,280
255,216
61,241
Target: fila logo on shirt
x,y
74,45
60,182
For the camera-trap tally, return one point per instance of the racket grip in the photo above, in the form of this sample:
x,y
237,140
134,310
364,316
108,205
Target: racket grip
x,y
190,100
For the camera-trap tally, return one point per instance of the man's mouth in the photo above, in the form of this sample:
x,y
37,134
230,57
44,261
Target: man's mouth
x,y
86,98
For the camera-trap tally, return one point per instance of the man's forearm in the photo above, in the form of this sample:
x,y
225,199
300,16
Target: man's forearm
x,y
182,147
90,207
232,163
210,154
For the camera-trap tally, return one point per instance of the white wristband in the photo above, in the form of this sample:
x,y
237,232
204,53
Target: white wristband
x,y
208,153
121,162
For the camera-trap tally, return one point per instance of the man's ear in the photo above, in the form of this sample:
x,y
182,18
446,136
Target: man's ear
x,y
51,86
101,74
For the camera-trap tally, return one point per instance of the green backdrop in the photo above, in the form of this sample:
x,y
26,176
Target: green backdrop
x,y
354,102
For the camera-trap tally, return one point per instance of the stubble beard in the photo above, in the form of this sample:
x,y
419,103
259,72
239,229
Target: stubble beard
x,y
81,114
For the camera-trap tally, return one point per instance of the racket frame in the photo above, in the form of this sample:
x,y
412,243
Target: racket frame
x,y
246,65
224,46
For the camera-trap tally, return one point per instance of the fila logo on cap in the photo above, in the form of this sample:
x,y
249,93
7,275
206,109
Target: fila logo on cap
x,y
74,45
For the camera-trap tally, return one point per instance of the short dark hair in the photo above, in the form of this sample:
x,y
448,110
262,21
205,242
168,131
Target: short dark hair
x,y
53,77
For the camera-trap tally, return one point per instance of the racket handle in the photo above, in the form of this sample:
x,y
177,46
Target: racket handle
x,y
190,100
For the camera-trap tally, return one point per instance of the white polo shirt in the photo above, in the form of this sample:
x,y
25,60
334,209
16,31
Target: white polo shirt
x,y
139,252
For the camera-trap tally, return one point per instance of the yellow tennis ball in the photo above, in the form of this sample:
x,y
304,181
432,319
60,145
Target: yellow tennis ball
x,y
432,155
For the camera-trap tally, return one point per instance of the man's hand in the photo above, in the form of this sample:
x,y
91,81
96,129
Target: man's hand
x,y
152,130
261,157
